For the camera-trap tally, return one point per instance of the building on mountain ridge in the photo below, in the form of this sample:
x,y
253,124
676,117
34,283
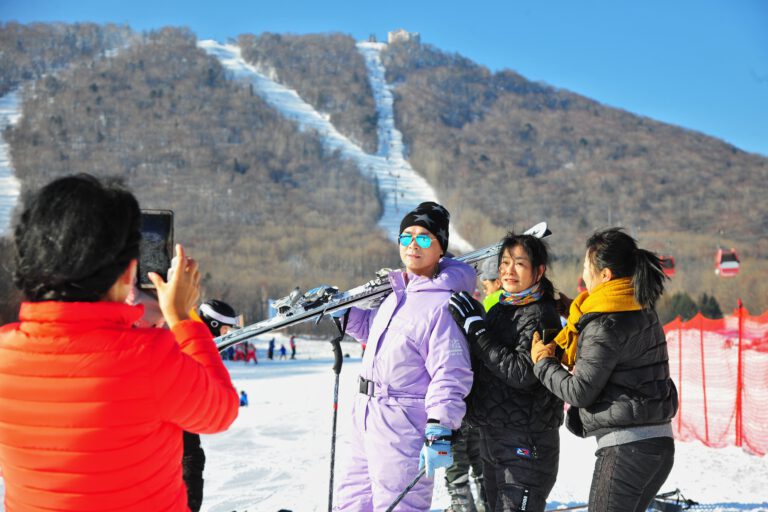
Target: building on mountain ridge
x,y
401,35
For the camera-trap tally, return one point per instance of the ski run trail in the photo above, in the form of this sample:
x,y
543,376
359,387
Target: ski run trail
x,y
277,453
401,188
10,112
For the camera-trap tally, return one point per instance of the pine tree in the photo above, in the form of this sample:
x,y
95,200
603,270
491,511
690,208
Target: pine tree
x,y
709,306
680,304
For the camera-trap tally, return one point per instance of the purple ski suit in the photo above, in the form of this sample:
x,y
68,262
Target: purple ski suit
x,y
417,360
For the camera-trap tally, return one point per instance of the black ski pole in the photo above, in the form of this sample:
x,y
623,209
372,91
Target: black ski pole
x,y
338,360
406,490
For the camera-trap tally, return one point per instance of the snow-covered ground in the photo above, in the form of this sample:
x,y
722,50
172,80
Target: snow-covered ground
x,y
401,187
277,453
10,112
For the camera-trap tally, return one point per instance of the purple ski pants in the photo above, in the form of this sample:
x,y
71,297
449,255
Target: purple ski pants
x,y
385,446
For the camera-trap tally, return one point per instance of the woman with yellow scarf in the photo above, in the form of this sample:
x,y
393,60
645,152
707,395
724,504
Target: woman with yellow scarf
x,y
618,385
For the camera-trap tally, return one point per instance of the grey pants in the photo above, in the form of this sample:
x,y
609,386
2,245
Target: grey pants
x,y
628,476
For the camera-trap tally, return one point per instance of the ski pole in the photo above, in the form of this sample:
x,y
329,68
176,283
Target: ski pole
x,y
338,360
405,491
575,507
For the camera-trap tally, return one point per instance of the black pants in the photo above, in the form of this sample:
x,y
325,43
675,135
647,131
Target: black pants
x,y
192,464
628,476
519,468
466,454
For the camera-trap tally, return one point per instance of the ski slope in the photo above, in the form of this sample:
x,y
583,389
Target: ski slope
x,y
10,112
277,453
401,187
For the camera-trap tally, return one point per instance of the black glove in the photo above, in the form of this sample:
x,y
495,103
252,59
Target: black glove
x,y
469,314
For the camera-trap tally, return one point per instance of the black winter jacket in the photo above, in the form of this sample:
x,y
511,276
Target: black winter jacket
x,y
505,392
621,376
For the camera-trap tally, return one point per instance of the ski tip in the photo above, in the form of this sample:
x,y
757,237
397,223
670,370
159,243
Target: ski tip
x,y
540,230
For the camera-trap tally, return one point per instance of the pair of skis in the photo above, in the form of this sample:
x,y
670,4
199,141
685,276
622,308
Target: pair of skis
x,y
324,300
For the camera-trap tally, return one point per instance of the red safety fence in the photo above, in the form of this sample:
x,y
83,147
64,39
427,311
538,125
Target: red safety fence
x,y
720,368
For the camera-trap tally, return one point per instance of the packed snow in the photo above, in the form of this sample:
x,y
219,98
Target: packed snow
x,y
10,112
277,453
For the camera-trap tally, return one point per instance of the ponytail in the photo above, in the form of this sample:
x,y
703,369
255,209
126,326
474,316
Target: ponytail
x,y
614,249
547,288
648,278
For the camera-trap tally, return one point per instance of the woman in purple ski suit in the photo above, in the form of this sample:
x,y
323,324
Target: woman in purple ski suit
x,y
415,373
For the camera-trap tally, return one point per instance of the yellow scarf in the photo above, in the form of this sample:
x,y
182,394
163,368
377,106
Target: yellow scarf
x,y
610,297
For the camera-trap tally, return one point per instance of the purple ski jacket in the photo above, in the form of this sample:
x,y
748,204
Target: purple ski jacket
x,y
415,351
417,362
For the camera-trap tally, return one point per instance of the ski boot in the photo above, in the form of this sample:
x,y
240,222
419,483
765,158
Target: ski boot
x,y
461,498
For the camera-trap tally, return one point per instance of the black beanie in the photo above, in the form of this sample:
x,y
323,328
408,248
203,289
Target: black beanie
x,y
431,216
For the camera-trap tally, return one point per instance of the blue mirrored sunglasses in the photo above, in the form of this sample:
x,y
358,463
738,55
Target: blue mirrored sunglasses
x,y
423,241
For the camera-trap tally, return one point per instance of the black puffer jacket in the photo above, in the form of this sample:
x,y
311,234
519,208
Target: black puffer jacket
x,y
505,392
621,377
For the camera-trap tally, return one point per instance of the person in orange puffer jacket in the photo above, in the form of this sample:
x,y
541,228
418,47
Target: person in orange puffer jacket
x,y
93,409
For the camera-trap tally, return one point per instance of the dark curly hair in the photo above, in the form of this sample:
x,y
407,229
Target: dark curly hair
x,y
75,237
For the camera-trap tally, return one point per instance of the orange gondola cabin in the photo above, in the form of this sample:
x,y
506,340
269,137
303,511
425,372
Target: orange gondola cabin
x,y
668,265
727,262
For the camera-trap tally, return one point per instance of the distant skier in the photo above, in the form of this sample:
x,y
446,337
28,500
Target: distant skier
x,y
239,352
271,349
292,342
243,399
250,353
283,351
415,376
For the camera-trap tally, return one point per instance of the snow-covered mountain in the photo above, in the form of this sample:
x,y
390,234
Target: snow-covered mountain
x,y
401,188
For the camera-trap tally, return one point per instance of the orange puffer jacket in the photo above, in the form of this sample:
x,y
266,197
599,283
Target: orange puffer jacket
x,y
92,410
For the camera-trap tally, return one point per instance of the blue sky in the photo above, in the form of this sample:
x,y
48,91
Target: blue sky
x,y
701,64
